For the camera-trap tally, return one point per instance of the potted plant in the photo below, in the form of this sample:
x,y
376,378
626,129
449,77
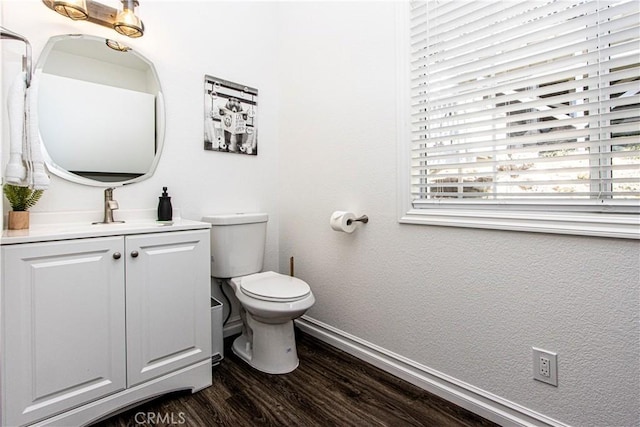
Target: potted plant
x,y
20,199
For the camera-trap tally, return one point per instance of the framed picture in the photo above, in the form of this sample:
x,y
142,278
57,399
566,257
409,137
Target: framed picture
x,y
230,117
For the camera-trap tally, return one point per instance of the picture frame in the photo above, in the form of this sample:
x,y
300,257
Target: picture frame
x,y
230,117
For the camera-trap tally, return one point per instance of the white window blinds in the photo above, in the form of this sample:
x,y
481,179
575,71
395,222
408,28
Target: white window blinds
x,y
526,103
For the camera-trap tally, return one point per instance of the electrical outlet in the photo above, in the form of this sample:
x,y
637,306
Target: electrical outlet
x,y
545,366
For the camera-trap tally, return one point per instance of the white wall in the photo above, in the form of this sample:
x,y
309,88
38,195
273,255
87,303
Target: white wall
x,y
468,303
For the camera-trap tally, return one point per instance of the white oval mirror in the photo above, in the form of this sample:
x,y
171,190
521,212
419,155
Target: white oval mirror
x,y
100,111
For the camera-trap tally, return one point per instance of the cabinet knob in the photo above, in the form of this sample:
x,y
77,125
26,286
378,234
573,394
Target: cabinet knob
x,y
116,255
134,254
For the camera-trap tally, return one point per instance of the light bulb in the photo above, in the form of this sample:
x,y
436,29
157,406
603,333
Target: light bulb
x,y
128,24
74,9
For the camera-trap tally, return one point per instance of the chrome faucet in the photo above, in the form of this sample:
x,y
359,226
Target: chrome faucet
x,y
110,205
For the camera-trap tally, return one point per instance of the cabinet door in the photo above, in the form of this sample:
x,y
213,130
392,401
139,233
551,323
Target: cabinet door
x,y
168,310
62,325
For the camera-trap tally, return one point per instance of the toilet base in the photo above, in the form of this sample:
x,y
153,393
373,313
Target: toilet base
x,y
272,349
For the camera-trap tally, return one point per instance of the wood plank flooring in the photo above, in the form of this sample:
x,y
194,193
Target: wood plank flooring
x,y
329,388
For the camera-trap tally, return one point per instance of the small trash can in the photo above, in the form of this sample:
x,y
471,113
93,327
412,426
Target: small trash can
x,y
217,339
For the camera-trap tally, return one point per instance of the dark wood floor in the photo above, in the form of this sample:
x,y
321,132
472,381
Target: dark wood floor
x,y
329,388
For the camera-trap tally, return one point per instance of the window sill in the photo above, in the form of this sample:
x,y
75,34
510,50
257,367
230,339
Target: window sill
x,y
619,226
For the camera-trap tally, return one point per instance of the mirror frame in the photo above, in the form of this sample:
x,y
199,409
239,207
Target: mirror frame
x,y
160,123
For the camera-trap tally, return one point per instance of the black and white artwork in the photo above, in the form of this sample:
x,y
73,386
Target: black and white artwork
x,y
230,117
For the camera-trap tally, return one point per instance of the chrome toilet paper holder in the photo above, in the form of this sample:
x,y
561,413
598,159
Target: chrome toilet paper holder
x,y
363,219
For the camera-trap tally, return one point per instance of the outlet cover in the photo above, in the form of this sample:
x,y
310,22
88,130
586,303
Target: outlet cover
x,y
545,366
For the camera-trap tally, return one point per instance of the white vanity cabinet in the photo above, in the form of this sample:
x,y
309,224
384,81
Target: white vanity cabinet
x,y
91,325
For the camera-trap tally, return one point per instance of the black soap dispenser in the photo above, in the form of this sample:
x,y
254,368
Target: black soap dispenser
x,y
165,211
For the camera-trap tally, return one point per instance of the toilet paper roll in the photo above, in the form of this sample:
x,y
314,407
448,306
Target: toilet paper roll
x,y
339,220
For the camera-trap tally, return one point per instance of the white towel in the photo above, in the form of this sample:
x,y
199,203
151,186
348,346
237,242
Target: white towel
x,y
39,178
26,164
16,172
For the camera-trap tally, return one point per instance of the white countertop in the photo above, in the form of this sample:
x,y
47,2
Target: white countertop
x,y
45,227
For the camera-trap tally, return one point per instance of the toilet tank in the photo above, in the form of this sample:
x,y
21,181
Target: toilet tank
x,y
237,243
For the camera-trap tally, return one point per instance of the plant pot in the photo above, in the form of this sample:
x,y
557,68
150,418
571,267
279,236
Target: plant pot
x,y
18,220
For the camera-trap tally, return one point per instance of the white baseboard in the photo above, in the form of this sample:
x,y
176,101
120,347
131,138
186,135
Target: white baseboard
x,y
472,398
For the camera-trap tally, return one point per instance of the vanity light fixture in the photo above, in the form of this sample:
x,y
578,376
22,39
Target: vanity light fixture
x,y
124,21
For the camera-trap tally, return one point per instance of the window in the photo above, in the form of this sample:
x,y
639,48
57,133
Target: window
x,y
524,113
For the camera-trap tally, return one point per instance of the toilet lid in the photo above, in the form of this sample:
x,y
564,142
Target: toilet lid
x,y
271,286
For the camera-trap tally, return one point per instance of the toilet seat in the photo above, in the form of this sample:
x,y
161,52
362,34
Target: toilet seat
x,y
272,286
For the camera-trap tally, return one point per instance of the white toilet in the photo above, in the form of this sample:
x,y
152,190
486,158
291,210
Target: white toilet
x,y
270,301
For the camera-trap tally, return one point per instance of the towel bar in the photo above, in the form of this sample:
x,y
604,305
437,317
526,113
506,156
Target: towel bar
x,y
26,59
